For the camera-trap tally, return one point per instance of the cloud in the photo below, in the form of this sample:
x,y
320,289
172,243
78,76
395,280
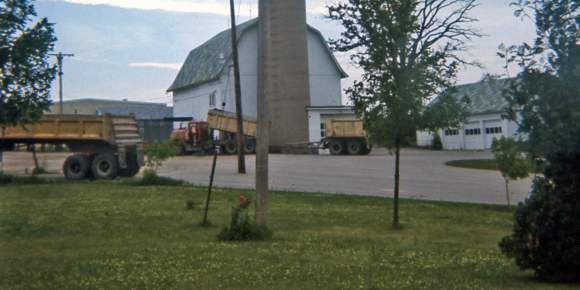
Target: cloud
x,y
160,65
245,8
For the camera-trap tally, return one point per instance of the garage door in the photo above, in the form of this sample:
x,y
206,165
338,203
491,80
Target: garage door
x,y
473,136
493,130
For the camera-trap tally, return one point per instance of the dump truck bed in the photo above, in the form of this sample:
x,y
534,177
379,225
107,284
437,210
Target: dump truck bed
x,y
115,130
227,122
344,129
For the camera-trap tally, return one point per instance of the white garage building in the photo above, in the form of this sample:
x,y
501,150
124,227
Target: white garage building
x,y
484,123
206,80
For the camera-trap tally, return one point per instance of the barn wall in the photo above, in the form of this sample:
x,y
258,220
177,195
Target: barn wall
x,y
325,82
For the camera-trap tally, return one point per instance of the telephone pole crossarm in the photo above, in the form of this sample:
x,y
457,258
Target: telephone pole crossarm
x,y
59,59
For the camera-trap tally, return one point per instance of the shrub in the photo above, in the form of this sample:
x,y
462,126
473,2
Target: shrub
x,y
6,179
150,178
436,143
546,233
242,227
158,152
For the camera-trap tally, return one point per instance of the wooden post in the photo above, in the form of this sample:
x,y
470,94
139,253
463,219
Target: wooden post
x,y
263,122
238,91
211,177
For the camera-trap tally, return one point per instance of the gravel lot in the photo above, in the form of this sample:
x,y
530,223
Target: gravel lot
x,y
423,174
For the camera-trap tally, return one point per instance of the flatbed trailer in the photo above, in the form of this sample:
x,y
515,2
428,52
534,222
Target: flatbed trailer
x,y
105,146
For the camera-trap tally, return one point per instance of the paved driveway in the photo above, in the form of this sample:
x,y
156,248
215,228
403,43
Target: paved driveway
x,y
423,174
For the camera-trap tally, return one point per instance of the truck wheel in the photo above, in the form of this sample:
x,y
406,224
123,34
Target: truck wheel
x,y
354,147
231,147
76,167
105,166
336,147
250,146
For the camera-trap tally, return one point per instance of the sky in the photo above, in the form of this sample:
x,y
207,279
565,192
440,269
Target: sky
x,y
133,49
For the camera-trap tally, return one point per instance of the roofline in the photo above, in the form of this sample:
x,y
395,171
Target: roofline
x,y
341,71
241,32
111,101
328,108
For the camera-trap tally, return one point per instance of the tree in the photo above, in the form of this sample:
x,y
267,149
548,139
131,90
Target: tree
x,y
25,73
511,161
545,102
159,152
410,51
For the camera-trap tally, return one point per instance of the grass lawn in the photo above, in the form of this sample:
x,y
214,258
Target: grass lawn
x,y
485,164
103,235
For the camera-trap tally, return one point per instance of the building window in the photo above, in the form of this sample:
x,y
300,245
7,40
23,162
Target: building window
x,y
493,130
322,130
474,131
451,132
212,99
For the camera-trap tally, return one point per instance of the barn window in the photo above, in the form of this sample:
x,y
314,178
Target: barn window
x,y
212,99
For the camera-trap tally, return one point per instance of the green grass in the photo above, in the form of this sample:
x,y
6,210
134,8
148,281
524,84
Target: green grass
x,y
485,164
99,235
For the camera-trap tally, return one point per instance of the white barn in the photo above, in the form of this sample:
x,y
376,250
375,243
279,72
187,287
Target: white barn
x,y
484,123
206,80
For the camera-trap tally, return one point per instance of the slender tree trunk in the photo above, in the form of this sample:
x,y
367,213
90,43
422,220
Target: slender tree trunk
x,y
396,224
36,166
507,191
238,91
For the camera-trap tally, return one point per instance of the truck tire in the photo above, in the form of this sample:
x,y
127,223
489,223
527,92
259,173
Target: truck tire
x,y
132,166
76,167
355,147
250,146
105,166
230,147
336,147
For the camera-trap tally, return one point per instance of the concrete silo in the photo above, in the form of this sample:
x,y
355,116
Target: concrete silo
x,y
285,59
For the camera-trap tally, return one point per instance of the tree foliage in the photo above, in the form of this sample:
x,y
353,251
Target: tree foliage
x,y
25,73
159,152
545,101
409,51
512,162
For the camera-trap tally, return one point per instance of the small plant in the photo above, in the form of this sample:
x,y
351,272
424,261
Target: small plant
x,y
511,161
150,178
242,227
436,143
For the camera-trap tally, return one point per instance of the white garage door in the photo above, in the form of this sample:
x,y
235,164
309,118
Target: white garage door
x,y
493,130
473,136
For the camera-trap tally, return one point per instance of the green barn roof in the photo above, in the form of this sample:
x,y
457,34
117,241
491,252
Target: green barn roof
x,y
207,62
486,96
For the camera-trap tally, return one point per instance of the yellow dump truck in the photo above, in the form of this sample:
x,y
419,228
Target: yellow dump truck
x,y
105,146
198,137
345,137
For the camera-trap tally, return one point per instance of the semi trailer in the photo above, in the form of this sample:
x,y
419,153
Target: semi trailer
x,y
200,136
345,137
104,147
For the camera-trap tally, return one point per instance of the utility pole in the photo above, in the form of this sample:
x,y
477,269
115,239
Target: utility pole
x,y
263,125
59,58
238,91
